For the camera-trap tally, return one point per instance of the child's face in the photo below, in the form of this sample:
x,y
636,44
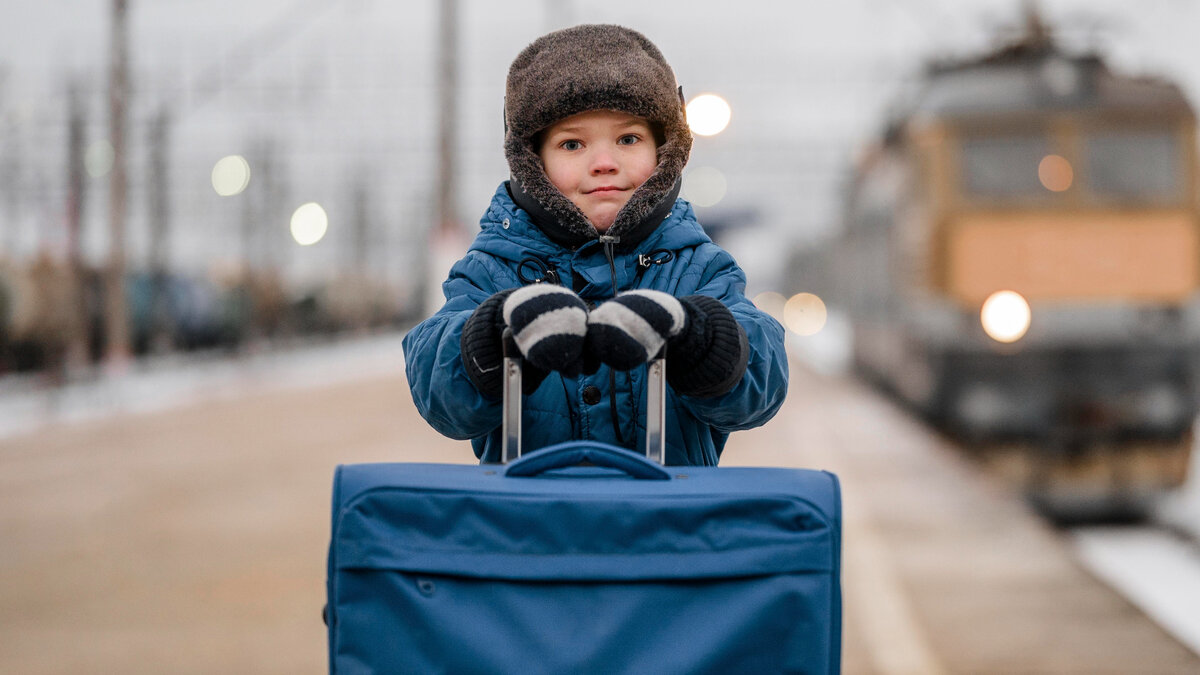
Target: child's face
x,y
597,159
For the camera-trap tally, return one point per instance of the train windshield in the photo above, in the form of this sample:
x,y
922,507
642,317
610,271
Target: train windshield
x,y
1125,165
1003,166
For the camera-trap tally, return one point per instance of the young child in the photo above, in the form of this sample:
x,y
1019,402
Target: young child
x,y
593,261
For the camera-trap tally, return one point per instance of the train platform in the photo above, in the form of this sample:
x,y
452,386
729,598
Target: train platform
x,y
946,570
190,538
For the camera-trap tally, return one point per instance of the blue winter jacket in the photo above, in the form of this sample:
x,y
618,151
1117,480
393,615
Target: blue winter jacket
x,y
510,247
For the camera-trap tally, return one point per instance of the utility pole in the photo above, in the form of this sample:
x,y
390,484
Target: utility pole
x,y
159,192
446,240
10,178
77,345
263,208
358,248
116,310
447,219
358,252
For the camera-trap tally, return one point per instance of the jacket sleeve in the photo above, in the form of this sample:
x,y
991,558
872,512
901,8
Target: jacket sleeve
x,y
433,363
763,387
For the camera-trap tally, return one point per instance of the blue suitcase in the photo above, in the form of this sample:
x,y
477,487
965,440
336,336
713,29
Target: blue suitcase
x,y
583,558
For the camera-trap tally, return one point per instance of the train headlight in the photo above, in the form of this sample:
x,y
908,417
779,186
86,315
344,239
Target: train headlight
x,y
1005,316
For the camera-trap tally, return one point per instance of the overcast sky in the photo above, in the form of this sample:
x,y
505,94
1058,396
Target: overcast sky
x,y
344,88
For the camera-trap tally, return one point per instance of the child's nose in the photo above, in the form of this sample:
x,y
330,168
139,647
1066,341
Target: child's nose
x,y
603,162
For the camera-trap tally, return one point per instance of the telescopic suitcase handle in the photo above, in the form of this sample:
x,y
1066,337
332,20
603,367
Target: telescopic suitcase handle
x,y
656,404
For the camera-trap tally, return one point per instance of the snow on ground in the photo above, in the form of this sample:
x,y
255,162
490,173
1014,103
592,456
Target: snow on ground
x,y
1156,569
29,403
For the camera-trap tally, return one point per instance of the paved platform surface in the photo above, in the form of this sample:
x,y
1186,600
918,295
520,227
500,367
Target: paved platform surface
x,y
192,540
944,570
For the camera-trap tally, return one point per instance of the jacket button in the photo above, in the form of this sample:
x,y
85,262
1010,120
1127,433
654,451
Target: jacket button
x,y
591,395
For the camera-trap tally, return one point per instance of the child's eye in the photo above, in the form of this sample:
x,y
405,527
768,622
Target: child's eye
x,y
571,145
628,139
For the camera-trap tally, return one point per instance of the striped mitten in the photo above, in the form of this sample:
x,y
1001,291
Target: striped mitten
x,y
482,346
549,324
709,357
631,329
707,350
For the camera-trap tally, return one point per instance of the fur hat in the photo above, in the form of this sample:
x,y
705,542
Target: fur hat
x,y
593,67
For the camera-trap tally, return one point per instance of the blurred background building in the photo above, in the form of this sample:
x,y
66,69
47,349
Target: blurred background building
x,y
234,115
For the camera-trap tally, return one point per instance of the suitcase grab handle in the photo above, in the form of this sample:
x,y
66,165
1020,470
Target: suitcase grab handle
x,y
573,453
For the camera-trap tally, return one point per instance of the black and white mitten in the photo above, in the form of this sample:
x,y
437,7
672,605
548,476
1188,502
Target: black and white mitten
x,y
707,350
482,346
630,329
549,324
708,357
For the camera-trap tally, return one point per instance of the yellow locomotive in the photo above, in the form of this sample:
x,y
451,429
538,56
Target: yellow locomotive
x,y
1020,262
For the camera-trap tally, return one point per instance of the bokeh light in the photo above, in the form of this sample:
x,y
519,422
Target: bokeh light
x,y
309,224
804,314
231,175
708,114
772,303
1005,316
1056,173
703,186
98,158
